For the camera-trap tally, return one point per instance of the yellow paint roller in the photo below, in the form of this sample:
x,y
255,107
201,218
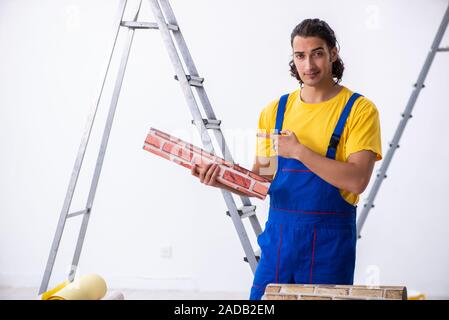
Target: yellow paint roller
x,y
47,295
87,287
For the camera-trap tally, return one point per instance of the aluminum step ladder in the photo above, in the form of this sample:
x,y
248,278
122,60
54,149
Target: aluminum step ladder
x,y
188,79
406,115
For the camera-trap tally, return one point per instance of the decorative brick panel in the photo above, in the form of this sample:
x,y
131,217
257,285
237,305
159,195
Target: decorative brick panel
x,y
333,292
186,154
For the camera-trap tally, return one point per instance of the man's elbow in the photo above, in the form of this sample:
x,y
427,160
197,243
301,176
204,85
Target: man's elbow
x,y
359,186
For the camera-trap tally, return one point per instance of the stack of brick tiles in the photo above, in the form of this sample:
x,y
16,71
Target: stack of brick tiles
x,y
333,292
186,154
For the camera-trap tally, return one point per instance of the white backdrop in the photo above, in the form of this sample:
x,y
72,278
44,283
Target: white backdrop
x,y
152,225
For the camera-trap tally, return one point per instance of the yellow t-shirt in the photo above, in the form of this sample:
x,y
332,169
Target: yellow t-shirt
x,y
314,123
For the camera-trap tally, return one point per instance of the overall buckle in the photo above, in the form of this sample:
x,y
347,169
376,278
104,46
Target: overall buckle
x,y
335,139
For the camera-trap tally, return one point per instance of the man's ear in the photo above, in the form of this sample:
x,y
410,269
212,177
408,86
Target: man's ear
x,y
334,54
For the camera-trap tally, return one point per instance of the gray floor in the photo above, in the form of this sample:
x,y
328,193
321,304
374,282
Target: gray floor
x,y
8,293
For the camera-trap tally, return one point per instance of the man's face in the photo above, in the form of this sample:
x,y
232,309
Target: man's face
x,y
313,60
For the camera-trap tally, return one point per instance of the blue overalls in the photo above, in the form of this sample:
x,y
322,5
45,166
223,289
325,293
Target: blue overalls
x,y
310,235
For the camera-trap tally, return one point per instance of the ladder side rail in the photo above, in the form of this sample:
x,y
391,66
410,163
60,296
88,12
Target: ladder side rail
x,y
104,144
78,162
405,117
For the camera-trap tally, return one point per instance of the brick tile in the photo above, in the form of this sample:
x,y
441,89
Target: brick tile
x,y
312,297
183,163
237,179
367,292
153,141
162,134
396,294
157,152
296,289
352,298
246,191
207,155
240,169
272,288
176,150
260,188
271,296
332,291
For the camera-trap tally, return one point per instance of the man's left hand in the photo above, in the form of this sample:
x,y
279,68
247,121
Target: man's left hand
x,y
287,144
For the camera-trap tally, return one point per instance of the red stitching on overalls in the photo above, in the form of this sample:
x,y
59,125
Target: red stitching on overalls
x,y
295,170
279,253
311,212
313,253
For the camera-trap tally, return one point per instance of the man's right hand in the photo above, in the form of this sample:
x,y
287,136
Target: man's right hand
x,y
207,174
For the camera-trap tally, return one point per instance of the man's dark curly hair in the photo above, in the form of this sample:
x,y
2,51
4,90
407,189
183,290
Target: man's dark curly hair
x,y
317,28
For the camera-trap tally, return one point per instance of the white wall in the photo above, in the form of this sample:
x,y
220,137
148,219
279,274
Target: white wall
x,y
52,58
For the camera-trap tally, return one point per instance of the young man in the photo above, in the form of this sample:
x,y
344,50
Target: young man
x,y
319,143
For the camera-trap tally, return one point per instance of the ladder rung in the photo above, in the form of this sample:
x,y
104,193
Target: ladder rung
x,y
245,211
257,254
77,213
443,49
210,123
193,80
146,25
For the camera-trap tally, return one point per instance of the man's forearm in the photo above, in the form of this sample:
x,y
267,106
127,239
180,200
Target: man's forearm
x,y
343,175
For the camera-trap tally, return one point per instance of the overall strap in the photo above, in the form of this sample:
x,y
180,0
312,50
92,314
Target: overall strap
x,y
280,113
335,139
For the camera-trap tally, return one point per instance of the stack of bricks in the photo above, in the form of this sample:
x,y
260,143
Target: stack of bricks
x,y
186,154
333,292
